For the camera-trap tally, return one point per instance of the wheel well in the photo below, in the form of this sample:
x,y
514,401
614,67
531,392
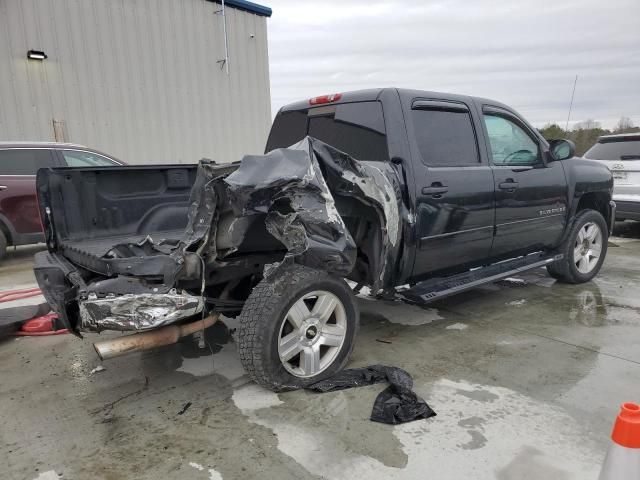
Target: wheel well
x,y
7,233
595,201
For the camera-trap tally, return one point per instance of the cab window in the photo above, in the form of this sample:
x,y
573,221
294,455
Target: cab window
x,y
510,144
444,137
357,129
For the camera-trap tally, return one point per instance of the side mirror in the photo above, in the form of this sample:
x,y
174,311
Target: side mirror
x,y
561,149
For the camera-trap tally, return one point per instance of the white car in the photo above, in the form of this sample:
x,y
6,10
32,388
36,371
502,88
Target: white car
x,y
621,154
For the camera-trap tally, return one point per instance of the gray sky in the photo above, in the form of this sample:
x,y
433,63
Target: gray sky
x,y
523,53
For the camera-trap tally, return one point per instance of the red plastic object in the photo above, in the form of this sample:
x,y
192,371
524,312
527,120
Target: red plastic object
x,y
40,326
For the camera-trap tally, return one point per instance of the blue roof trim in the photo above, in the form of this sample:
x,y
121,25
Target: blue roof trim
x,y
247,7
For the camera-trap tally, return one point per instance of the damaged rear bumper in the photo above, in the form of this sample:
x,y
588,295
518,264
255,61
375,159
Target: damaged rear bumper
x,y
139,312
66,293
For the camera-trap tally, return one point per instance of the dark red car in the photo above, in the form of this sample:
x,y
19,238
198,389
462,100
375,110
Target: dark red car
x,y
19,162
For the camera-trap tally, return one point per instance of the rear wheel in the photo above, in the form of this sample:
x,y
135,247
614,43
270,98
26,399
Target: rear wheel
x,y
584,250
297,328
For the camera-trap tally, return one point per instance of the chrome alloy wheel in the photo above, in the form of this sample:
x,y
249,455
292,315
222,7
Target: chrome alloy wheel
x,y
588,247
312,334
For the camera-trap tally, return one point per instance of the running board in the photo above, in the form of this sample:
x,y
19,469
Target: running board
x,y
437,288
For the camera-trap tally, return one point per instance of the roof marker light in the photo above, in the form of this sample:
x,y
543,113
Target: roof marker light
x,y
322,99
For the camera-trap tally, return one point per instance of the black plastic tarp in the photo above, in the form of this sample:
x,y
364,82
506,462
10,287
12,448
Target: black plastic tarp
x,y
396,404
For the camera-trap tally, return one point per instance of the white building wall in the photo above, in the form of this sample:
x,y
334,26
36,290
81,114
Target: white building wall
x,y
138,79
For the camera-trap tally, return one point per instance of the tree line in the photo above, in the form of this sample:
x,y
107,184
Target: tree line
x,y
585,134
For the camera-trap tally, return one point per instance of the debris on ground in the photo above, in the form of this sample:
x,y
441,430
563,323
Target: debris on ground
x,y
184,408
512,282
517,303
98,369
394,405
457,326
383,341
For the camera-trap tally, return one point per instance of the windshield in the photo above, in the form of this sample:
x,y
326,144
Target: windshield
x,y
616,150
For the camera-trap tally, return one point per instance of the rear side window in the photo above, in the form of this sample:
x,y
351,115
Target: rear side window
x,y
445,138
357,129
78,158
615,150
24,161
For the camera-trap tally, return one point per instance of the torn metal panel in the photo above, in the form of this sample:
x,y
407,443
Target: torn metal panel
x,y
296,189
367,182
137,312
287,185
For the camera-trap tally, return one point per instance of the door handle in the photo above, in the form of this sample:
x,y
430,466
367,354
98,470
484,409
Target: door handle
x,y
435,189
3,187
511,186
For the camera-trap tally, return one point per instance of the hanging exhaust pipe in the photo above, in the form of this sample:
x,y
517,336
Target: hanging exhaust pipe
x,y
155,338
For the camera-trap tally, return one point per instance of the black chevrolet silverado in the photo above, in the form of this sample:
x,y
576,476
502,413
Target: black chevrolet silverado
x,y
413,194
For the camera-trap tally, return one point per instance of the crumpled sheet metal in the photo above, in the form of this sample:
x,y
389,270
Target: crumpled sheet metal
x,y
289,186
137,312
367,182
396,404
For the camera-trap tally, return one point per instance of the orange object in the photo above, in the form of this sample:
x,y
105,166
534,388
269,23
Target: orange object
x,y
40,326
45,323
626,430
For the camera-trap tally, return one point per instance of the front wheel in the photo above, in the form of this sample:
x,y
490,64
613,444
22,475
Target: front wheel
x,y
297,328
584,250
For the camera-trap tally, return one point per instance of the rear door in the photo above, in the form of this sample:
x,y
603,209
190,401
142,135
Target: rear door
x,y
18,203
531,196
454,186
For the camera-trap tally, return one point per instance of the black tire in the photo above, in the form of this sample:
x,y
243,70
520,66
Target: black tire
x,y
263,317
565,270
3,245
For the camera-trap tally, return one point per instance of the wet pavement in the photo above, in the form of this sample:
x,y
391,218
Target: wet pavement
x,y
526,378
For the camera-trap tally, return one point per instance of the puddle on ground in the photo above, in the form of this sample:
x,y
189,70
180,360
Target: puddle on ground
x,y
330,435
398,312
49,475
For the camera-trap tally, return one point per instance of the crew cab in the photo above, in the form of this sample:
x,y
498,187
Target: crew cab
x,y
19,162
414,194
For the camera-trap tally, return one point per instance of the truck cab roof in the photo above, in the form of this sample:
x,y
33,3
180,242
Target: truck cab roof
x,y
373,94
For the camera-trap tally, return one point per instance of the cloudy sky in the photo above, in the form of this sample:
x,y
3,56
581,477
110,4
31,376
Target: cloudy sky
x,y
523,53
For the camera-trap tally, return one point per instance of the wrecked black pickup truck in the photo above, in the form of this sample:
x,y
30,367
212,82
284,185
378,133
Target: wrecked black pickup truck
x,y
415,195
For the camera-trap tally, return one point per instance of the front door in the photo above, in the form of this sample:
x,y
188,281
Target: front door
x,y
454,188
531,195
